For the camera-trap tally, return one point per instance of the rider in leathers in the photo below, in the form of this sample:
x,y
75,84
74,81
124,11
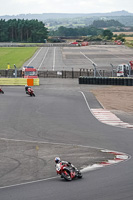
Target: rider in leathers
x,y
58,160
26,88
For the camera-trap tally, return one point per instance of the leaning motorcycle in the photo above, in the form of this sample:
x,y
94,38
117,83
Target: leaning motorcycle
x,y
30,92
1,91
67,172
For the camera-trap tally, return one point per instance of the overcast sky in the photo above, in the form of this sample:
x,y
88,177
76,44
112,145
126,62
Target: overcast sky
x,y
14,7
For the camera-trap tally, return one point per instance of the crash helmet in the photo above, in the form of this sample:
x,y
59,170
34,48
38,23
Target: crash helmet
x,y
57,160
26,86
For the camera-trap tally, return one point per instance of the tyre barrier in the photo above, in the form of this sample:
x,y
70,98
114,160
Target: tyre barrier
x,y
106,81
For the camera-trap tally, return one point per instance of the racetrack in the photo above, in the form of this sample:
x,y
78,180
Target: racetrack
x,y
66,58
59,114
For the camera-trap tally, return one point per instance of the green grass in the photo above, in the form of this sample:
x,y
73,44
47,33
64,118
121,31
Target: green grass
x,y
129,44
15,55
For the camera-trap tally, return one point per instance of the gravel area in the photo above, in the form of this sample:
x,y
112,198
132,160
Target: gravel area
x,y
118,99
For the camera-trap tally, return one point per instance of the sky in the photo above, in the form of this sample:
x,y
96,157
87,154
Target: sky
x,y
15,7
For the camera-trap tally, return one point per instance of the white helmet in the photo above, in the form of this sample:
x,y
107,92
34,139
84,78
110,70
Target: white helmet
x,y
57,160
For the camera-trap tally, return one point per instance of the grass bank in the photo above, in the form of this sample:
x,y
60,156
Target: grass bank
x,y
15,55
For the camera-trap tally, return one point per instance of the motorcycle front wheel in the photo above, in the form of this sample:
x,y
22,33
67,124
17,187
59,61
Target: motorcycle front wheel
x,y
80,175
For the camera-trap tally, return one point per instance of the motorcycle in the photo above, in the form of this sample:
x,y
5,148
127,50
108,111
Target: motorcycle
x,y
67,172
30,92
1,91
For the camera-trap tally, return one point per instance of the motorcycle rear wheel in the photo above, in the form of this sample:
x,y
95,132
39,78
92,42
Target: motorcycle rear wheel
x,y
66,177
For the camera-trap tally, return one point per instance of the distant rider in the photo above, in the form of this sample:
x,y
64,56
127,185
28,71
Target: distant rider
x,y
26,88
1,91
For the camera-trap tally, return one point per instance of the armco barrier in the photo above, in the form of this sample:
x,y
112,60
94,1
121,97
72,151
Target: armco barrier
x,y
18,81
106,80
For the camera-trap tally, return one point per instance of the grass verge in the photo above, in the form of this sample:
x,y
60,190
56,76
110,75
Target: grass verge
x,y
15,55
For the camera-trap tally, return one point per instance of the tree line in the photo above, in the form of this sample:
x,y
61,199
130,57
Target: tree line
x,y
106,23
95,29
22,31
80,31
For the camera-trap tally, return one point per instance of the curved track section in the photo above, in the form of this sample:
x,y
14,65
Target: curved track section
x,y
59,114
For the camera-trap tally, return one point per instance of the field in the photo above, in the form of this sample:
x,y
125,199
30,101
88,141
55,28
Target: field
x,y
128,39
15,55
126,33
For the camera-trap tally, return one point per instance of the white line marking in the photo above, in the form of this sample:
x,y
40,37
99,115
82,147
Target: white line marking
x,y
54,60
34,57
88,58
30,182
43,58
86,101
52,143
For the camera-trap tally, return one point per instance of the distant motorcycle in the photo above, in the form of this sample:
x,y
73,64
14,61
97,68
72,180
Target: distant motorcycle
x,y
1,91
30,91
67,172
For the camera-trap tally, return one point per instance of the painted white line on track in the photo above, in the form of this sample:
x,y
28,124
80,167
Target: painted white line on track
x,y
30,182
52,143
54,60
34,57
43,58
88,58
86,101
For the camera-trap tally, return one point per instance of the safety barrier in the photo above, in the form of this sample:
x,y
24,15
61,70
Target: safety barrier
x,y
106,80
19,81
72,73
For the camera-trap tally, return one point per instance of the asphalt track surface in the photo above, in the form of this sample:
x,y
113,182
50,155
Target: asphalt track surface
x,y
59,114
68,58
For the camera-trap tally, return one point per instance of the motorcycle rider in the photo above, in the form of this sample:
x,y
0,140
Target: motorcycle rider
x,y
58,160
1,91
26,88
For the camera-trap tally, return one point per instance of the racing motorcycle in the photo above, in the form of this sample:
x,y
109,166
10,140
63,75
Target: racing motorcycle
x,y
67,172
1,91
30,92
